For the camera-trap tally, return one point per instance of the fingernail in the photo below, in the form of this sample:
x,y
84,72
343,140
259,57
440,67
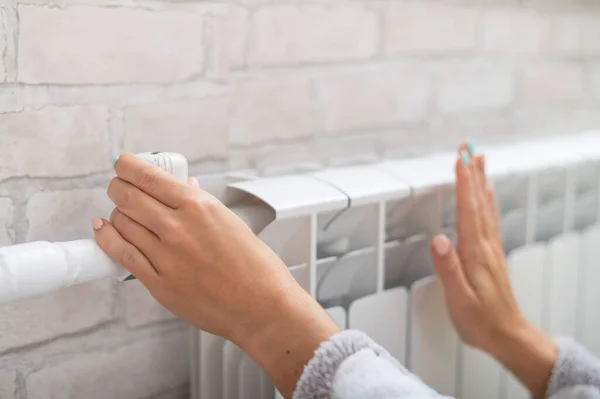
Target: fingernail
x,y
471,146
97,223
441,245
115,161
466,158
195,182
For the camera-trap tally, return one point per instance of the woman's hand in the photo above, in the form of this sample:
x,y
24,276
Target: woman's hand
x,y
477,286
200,261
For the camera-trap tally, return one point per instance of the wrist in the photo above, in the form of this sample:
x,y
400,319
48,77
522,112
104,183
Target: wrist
x,y
528,353
286,341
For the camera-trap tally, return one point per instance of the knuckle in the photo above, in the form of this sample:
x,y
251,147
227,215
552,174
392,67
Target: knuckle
x,y
128,258
125,197
173,232
112,188
206,205
147,179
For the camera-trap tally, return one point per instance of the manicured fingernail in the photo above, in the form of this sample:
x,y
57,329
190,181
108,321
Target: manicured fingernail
x,y
115,161
471,146
441,245
97,223
466,158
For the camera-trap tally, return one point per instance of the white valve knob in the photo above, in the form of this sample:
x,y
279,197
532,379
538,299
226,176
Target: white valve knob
x,y
175,164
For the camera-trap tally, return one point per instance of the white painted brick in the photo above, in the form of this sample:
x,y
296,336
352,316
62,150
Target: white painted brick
x,y
473,86
373,99
2,48
521,32
55,142
423,27
108,45
228,37
6,221
271,110
65,215
594,74
138,369
63,312
552,82
8,384
195,128
577,34
289,34
141,307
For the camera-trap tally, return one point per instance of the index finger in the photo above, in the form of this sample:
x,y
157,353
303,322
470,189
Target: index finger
x,y
152,180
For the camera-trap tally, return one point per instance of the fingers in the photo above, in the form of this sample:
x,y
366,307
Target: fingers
x,y
139,206
152,180
449,268
494,218
143,239
123,252
482,196
468,222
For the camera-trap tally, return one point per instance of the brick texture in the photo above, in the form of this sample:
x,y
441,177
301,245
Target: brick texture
x,y
2,49
74,45
280,35
374,99
552,82
228,36
198,129
473,86
8,384
577,34
6,221
55,142
594,76
67,311
520,32
65,215
138,370
264,111
141,308
427,28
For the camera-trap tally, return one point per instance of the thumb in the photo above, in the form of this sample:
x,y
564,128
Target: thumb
x,y
449,267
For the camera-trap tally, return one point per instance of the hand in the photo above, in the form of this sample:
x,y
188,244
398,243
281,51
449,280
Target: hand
x,y
477,285
200,261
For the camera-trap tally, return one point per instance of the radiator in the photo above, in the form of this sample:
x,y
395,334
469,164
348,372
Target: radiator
x,y
357,238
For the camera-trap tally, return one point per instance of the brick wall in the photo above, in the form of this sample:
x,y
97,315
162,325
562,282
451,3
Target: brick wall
x,y
242,84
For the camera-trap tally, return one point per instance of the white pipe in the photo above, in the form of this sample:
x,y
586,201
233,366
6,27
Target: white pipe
x,y
37,268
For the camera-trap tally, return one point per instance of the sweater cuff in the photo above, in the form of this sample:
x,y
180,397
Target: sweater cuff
x,y
317,378
574,366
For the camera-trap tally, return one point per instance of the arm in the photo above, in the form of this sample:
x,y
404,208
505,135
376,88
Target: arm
x,y
481,303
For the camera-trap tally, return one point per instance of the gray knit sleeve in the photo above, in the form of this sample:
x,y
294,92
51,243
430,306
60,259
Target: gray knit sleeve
x,y
351,365
317,378
574,367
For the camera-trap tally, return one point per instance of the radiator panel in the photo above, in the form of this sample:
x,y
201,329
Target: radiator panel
x,y
357,239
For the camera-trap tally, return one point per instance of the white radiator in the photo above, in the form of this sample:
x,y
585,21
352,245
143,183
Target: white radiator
x,y
357,238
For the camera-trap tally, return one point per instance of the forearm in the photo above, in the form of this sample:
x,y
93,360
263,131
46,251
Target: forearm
x,y
547,368
529,354
287,341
